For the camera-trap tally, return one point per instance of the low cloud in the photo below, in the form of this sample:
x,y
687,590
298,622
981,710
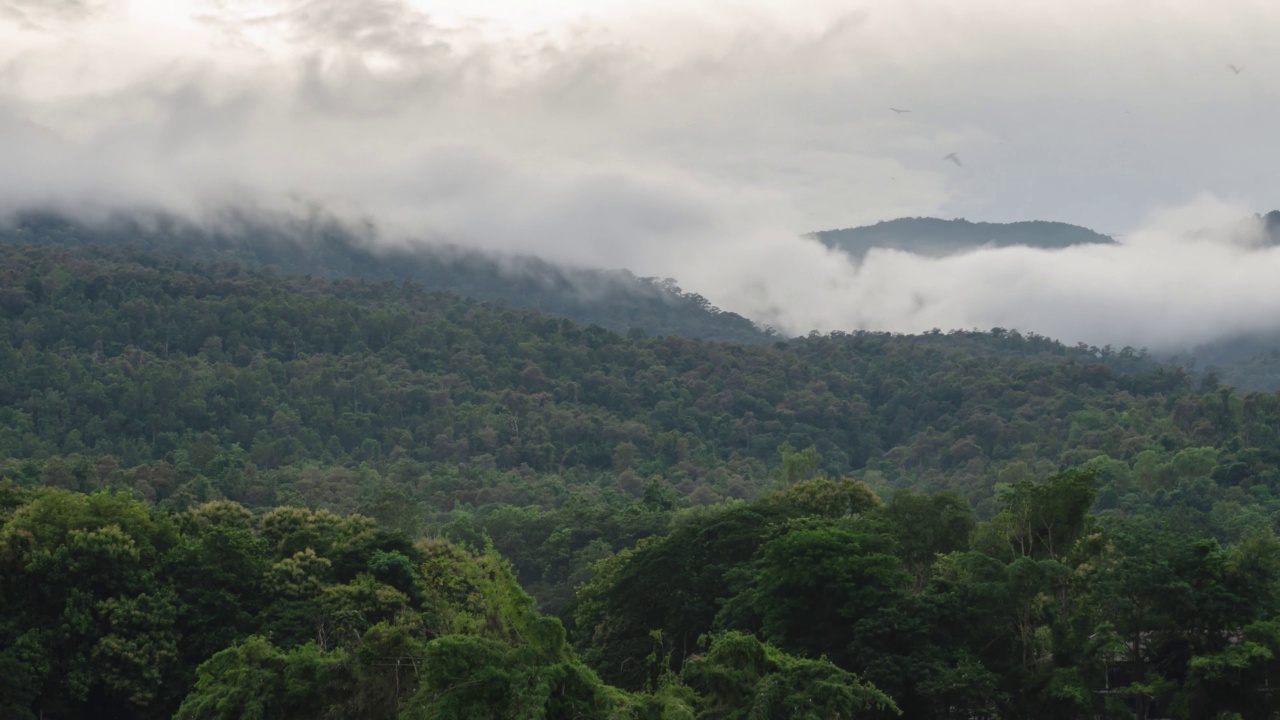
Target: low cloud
x,y
48,15
1190,274
696,142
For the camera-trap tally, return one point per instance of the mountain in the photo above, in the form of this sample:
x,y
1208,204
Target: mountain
x,y
1271,224
1247,362
937,237
122,353
226,491
614,299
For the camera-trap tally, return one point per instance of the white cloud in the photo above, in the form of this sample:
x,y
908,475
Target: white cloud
x,y
693,140
1189,274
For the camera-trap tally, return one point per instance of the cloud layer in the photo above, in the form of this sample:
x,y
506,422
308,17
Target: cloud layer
x,y
695,140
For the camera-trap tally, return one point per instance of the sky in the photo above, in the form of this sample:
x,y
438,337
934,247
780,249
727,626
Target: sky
x,y
697,140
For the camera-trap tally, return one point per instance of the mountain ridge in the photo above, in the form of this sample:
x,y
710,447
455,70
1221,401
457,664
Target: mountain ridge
x,y
613,299
936,236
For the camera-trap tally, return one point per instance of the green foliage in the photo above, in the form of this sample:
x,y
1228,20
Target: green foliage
x,y
226,493
742,678
189,383
1042,520
614,299
926,526
827,498
815,582
112,604
675,583
108,606
244,681
85,614
473,677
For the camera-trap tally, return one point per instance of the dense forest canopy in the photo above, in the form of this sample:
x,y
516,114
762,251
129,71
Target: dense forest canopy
x,y
141,359
226,491
407,360
320,246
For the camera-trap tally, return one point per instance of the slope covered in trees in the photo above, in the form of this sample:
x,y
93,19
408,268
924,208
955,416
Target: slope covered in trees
x,y
614,299
141,359
226,492
195,379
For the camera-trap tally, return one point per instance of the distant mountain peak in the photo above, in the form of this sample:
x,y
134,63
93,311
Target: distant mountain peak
x,y
939,237
1271,223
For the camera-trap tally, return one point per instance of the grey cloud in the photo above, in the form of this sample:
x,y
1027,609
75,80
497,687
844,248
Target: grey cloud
x,y
391,27
704,155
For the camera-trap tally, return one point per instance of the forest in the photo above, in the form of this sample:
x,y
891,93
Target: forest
x,y
321,246
228,491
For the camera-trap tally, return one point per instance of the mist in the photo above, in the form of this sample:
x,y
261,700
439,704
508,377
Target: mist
x,y
1190,274
697,141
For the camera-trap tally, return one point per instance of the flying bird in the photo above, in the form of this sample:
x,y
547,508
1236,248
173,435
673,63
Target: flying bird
x,y
1234,69
898,111
953,158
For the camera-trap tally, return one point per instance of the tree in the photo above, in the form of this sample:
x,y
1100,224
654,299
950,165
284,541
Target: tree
x,y
741,678
815,582
675,584
926,526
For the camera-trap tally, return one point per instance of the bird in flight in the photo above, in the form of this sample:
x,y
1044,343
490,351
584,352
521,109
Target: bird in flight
x,y
898,111
1234,69
953,158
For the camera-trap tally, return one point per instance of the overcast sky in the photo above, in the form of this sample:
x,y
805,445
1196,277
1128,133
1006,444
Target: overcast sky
x,y
695,139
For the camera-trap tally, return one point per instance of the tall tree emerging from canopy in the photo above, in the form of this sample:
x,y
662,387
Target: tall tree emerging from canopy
x,y
815,583
1044,520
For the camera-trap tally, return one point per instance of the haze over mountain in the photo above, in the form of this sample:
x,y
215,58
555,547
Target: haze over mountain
x,y
1248,360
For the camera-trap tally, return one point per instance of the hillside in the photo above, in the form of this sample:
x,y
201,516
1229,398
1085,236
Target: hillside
x,y
1271,222
934,236
614,299
147,359
227,491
